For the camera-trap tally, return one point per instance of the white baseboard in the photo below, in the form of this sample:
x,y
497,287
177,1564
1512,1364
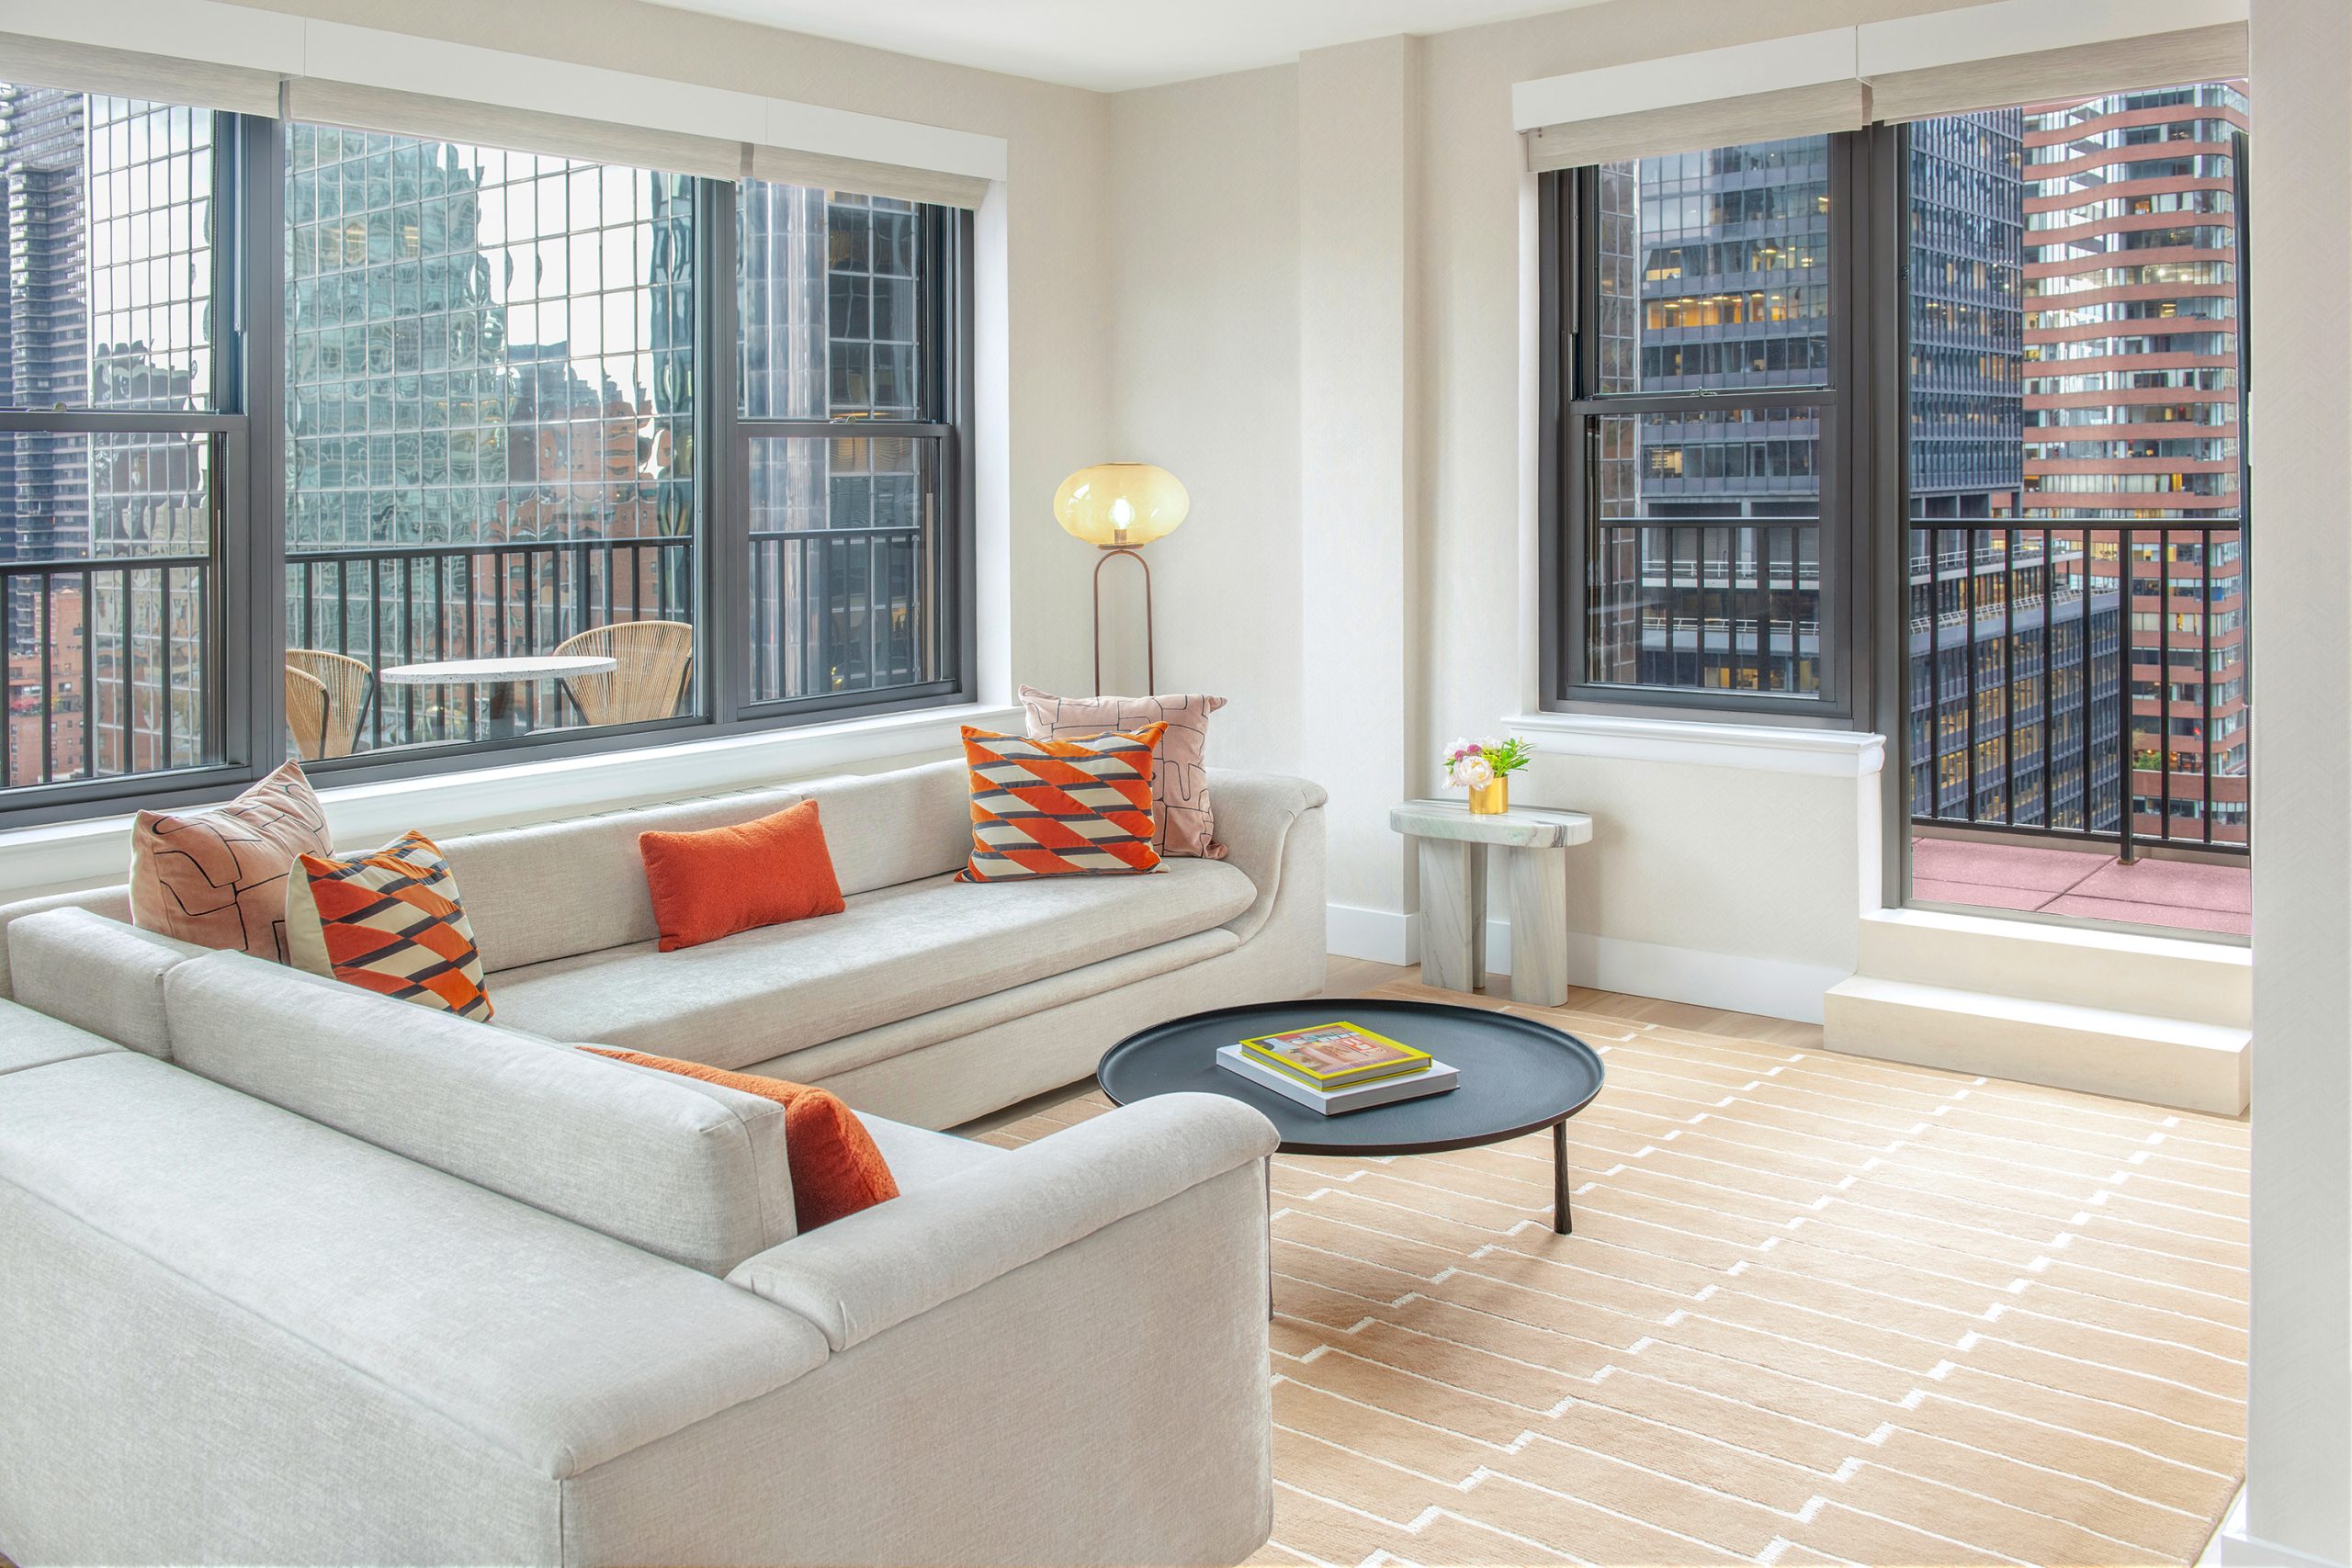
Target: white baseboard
x,y
2242,1551
1775,987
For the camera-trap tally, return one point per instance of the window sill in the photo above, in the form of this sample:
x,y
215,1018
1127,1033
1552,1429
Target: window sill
x,y
1757,748
95,851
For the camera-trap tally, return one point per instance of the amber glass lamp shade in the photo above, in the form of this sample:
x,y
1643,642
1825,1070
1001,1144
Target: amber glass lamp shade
x,y
1121,505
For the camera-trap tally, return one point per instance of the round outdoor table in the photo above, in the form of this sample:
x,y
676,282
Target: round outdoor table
x,y
1516,1076
501,675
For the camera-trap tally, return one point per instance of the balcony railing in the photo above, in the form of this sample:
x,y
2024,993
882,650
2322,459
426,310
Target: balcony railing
x,y
113,662
2083,681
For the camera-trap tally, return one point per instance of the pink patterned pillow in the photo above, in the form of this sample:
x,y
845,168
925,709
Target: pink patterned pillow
x,y
1179,785
218,876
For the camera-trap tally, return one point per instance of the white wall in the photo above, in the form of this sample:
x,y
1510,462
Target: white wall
x,y
2299,1481
1204,226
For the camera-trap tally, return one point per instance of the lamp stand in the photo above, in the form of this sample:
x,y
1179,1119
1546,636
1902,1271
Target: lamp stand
x,y
1150,674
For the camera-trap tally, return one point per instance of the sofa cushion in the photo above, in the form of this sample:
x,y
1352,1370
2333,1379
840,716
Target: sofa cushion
x,y
1060,807
534,1338
920,1157
836,1167
894,953
724,880
885,828
559,888
30,1038
113,903
218,876
391,921
98,973
688,1171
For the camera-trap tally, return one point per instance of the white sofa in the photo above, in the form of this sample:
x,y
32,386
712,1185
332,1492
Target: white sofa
x,y
299,1274
929,1001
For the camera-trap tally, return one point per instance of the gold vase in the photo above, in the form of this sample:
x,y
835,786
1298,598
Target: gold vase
x,y
1491,800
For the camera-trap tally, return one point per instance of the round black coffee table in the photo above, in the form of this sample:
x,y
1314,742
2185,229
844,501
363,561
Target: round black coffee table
x,y
1517,1076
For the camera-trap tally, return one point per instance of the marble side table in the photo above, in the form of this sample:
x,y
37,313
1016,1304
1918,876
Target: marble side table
x,y
1454,844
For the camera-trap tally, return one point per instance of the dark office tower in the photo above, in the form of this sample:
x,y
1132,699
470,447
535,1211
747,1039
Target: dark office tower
x,y
1616,638
44,477
1966,348
1967,245
2132,405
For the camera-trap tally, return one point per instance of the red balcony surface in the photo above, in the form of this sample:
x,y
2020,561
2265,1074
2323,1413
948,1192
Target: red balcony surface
x,y
2182,895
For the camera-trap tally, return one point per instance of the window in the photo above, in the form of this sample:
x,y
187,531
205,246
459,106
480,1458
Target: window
x,y
513,407
2050,397
1701,507
848,443
117,430
2100,440
489,426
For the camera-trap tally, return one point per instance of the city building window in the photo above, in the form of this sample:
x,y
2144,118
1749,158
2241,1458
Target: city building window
x,y
513,408
1700,535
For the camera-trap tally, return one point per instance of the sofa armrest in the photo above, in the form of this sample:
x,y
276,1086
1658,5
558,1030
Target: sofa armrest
x,y
1255,813
882,1266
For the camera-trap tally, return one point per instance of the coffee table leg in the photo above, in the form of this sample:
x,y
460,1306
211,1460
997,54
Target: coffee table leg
x,y
1561,1225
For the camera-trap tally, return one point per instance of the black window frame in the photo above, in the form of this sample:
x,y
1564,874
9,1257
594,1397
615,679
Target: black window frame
x,y
1571,408
248,543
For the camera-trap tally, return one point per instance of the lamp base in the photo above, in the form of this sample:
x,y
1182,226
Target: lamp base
x,y
1150,673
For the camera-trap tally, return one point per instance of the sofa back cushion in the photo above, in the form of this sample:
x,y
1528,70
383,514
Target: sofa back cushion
x,y
690,1171
886,828
114,903
98,975
558,888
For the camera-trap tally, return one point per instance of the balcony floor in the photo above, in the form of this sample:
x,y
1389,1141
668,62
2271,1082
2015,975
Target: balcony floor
x,y
2182,895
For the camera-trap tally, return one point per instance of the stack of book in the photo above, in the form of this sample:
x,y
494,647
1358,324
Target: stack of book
x,y
1333,1067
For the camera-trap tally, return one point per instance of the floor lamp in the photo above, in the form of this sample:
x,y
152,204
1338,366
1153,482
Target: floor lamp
x,y
1119,508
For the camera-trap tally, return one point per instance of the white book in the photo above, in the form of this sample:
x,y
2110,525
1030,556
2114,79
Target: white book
x,y
1435,1078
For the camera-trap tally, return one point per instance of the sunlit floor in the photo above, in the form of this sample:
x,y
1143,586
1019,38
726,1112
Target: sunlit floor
x,y
2183,895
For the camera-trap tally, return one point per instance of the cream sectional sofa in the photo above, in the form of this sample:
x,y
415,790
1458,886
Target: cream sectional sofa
x,y
929,1001
299,1274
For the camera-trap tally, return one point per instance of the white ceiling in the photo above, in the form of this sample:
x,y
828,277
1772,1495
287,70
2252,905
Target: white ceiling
x,y
1110,45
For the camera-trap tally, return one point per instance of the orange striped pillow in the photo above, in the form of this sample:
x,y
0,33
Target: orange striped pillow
x,y
391,922
1060,807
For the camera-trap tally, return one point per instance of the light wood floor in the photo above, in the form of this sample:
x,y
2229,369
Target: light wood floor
x,y
1817,1309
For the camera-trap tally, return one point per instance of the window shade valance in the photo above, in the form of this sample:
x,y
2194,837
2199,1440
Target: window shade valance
x,y
1974,57
122,72
524,131
786,167
241,60
1812,110
2084,70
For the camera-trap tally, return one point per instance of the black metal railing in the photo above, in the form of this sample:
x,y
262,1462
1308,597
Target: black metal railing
x,y
395,605
842,610
2084,681
106,670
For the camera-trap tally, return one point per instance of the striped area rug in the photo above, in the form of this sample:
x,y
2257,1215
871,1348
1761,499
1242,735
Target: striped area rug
x,y
1817,1309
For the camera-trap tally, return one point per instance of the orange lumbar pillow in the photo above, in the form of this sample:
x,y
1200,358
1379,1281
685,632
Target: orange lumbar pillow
x,y
836,1170
714,884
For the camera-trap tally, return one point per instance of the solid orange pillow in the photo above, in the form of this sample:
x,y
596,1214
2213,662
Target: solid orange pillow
x,y
836,1170
714,884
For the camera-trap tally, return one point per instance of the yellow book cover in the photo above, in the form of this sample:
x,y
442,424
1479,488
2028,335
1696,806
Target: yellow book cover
x,y
1330,1054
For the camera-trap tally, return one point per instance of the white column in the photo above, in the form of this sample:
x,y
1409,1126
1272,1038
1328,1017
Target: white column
x,y
2299,1477
1359,417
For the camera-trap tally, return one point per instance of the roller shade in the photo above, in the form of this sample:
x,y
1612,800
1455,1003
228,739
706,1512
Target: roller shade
x,y
1817,110
784,166
322,102
122,72
2025,52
